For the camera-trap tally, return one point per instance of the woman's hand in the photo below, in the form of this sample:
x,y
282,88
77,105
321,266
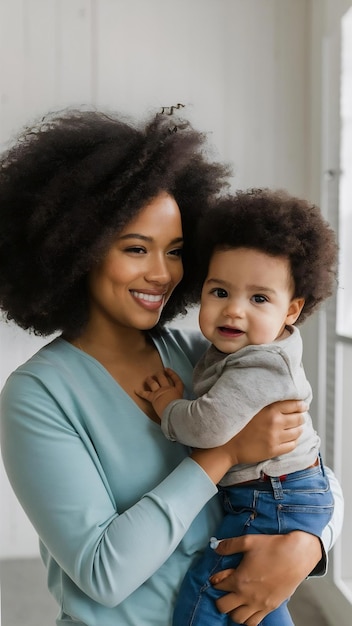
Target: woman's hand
x,y
271,569
272,432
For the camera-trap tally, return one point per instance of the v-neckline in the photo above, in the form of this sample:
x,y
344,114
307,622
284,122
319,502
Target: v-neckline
x,y
106,372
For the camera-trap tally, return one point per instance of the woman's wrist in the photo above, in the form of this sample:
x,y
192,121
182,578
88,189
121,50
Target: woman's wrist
x,y
310,547
215,461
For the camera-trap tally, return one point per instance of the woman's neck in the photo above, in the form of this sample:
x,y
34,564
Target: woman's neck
x,y
108,343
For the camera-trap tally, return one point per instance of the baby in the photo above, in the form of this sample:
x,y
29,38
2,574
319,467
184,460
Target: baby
x,y
268,260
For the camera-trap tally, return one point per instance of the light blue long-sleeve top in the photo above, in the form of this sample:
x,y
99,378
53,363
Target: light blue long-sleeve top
x,y
121,512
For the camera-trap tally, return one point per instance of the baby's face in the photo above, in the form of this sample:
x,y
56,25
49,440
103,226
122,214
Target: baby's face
x,y
247,299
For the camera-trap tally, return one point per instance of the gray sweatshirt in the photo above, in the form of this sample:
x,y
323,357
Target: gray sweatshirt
x,y
231,389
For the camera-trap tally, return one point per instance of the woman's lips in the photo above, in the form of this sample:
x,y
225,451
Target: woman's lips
x,y
150,301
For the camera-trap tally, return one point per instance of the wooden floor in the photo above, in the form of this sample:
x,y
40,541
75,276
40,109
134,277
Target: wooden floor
x,y
26,602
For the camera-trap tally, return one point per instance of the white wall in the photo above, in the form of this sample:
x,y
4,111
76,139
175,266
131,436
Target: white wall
x,y
241,66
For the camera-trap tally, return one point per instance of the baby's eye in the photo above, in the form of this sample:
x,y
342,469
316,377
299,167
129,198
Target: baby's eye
x,y
258,299
219,292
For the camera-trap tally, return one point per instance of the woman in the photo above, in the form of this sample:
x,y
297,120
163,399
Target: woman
x,y
94,213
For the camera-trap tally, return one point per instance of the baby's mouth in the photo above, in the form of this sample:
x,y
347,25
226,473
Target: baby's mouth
x,y
230,332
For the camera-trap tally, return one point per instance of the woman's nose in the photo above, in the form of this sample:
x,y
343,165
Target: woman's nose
x,y
158,271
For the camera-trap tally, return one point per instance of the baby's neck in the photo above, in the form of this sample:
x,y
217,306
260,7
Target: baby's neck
x,y
284,334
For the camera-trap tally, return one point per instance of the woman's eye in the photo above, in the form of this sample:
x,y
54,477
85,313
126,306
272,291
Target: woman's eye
x,y
135,250
258,299
219,292
176,252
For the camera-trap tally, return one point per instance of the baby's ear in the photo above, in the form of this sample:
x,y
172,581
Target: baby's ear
x,y
294,310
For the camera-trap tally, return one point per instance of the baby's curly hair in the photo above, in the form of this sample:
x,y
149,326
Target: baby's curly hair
x,y
277,224
73,181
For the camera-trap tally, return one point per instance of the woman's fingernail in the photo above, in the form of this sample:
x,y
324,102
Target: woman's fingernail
x,y
214,542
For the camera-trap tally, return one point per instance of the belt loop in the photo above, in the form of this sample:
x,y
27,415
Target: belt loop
x,y
277,487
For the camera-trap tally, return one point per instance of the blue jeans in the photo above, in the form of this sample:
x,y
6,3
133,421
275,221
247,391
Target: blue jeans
x,y
303,501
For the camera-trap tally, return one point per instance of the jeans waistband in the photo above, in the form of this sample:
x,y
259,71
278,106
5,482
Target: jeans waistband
x,y
265,477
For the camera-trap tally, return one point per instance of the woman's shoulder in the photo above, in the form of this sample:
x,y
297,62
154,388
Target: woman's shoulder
x,y
52,351
43,366
46,380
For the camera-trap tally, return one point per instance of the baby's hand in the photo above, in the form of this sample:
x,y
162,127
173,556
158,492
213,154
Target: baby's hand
x,y
161,389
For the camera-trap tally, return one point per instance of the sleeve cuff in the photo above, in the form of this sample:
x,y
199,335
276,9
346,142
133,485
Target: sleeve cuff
x,y
322,567
186,490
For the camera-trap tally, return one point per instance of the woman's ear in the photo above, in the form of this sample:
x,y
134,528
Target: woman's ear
x,y
294,310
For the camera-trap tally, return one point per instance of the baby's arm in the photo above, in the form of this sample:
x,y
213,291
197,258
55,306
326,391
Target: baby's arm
x,y
161,389
244,386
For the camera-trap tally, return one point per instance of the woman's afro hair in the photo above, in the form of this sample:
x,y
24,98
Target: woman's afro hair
x,y
277,224
73,181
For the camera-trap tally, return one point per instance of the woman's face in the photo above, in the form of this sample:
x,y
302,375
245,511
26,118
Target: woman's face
x,y
131,285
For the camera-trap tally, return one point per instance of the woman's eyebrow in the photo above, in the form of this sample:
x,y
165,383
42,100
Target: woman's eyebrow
x,y
136,236
145,238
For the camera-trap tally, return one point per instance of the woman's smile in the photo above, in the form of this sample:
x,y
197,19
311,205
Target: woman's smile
x,y
150,300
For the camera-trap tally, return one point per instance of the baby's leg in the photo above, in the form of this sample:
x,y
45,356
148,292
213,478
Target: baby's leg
x,y
195,605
